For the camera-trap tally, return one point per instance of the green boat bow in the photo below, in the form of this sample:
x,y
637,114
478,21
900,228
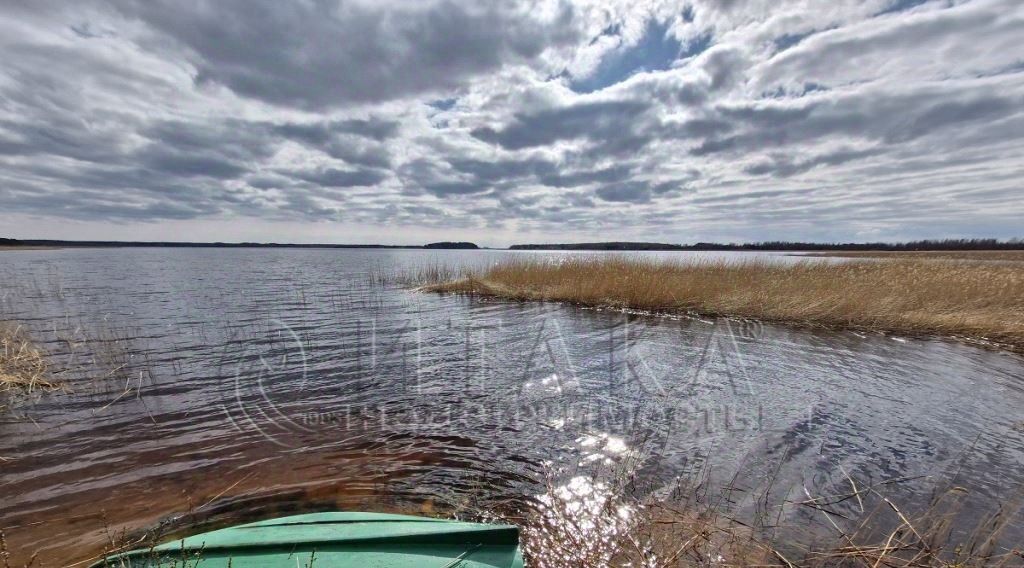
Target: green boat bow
x,y
339,540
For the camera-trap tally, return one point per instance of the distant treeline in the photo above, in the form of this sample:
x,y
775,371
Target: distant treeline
x,y
603,246
58,243
451,245
925,245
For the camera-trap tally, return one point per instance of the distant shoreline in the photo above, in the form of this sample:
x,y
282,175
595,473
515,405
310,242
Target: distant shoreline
x,y
27,247
51,244
946,246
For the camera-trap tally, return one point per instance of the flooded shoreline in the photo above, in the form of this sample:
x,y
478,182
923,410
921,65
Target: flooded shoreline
x,y
239,384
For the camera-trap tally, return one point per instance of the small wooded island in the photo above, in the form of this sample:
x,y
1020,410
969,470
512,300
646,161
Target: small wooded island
x,y
451,245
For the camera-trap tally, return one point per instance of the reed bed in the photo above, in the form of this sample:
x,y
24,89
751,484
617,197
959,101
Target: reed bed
x,y
611,518
23,366
974,255
688,533
980,301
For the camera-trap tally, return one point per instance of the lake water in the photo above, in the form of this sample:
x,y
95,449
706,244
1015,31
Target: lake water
x,y
212,385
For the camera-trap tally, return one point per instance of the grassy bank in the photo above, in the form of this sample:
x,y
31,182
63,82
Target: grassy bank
x,y
983,301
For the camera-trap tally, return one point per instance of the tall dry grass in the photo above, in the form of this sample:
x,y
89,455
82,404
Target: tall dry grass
x,y
688,531
974,255
611,517
23,366
983,301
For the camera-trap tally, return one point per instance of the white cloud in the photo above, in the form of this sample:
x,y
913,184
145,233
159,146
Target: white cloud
x,y
883,117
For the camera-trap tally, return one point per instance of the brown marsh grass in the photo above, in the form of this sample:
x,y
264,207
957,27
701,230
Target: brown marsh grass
x,y
980,301
692,532
611,518
104,361
975,255
23,366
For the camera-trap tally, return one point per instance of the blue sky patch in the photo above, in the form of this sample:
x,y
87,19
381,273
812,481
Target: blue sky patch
x,y
782,92
656,51
787,41
443,104
900,6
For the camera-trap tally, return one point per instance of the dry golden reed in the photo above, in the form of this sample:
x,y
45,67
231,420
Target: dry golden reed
x,y
976,255
978,300
690,534
23,366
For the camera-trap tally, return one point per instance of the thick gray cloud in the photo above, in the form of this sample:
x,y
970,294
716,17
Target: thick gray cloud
x,y
333,177
883,117
784,166
356,141
321,133
191,165
732,120
633,192
607,122
324,54
587,176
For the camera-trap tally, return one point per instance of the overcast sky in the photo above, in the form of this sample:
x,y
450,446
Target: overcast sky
x,y
511,121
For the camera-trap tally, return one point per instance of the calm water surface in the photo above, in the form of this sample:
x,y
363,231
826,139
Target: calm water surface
x,y
214,384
